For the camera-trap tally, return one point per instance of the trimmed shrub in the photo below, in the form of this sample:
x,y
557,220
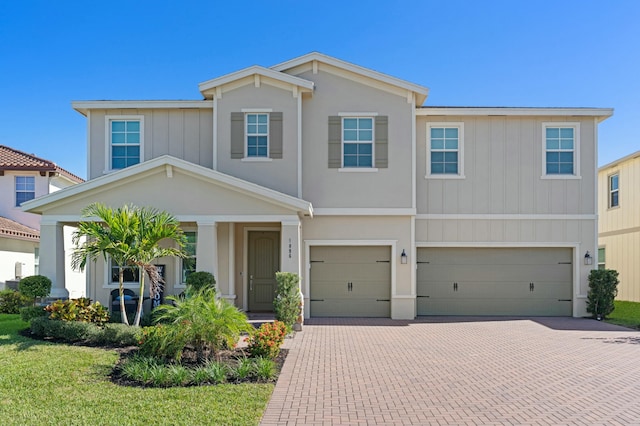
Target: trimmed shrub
x,y
30,312
287,303
35,286
603,288
200,280
74,331
11,301
78,310
265,342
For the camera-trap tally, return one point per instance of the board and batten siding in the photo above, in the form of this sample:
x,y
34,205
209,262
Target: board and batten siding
x,y
619,227
503,168
183,133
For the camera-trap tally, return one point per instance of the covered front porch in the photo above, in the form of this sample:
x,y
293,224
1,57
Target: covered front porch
x,y
240,232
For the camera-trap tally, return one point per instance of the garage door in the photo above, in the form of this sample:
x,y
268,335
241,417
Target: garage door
x,y
350,281
494,281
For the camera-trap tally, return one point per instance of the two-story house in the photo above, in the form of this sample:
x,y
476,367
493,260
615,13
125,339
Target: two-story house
x,y
619,223
24,177
383,206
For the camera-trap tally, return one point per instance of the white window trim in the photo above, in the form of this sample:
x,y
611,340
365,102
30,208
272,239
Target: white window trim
x,y
116,284
372,116
107,132
610,192
576,149
604,264
460,126
256,111
15,189
178,262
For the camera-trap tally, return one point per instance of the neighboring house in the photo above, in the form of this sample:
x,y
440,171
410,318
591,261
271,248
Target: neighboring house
x,y
338,173
24,177
619,223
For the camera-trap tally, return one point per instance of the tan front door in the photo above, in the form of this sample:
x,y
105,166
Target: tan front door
x,y
495,281
350,281
264,262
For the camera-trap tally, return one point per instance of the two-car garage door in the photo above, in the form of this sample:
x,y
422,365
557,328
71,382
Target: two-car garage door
x,y
494,281
350,281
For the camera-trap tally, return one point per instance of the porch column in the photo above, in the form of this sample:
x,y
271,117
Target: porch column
x,y
52,257
291,258
207,248
232,261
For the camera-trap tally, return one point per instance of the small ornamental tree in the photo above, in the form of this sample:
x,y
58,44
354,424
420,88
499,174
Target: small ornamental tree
x,y
35,286
287,302
603,288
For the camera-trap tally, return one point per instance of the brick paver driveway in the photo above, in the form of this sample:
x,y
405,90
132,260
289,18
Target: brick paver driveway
x,y
456,371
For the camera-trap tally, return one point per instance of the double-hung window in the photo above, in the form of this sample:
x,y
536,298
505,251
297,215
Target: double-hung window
x,y
357,142
25,189
125,141
257,126
561,150
614,200
189,262
131,274
444,150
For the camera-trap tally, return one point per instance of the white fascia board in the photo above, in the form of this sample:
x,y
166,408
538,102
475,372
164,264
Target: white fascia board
x,y
367,211
266,72
620,160
219,178
83,106
486,111
315,56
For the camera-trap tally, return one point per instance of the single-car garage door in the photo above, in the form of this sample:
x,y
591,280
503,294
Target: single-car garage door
x,y
494,281
350,281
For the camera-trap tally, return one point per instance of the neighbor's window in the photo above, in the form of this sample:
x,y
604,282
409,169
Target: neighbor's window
x,y
601,258
126,140
613,191
25,189
257,135
357,142
444,147
189,262
36,261
131,274
560,149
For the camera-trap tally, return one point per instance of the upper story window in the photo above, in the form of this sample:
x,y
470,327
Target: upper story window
x,y
444,150
357,141
189,262
25,189
125,141
560,150
257,135
614,200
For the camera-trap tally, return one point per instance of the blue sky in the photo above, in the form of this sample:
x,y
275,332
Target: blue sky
x,y
580,53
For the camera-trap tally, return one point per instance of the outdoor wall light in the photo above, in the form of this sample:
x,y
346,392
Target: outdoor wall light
x,y
403,257
588,260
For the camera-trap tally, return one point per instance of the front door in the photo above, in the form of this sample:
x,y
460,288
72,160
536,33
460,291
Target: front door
x,y
264,262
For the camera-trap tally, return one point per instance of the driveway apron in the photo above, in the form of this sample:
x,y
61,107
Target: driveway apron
x,y
459,371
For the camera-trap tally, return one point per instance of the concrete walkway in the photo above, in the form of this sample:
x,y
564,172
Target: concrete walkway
x,y
459,371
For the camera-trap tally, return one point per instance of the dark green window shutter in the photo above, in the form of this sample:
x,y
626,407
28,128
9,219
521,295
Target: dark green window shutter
x,y
275,135
382,142
237,135
335,142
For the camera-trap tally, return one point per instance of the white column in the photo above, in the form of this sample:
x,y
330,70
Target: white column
x,y
232,261
207,248
52,257
290,257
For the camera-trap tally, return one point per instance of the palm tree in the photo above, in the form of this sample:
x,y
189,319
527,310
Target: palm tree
x,y
130,236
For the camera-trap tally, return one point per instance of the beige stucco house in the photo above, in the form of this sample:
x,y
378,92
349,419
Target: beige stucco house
x,y
619,223
24,177
385,207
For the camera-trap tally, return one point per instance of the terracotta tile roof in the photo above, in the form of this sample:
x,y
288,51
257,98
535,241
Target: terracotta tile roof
x,y
15,230
12,159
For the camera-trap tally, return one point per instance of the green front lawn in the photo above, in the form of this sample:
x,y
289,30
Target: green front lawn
x,y
44,383
626,314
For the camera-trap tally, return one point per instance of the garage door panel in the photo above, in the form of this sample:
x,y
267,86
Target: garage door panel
x,y
350,281
494,281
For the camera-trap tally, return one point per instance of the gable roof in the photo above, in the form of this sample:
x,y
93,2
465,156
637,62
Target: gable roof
x,y
420,91
12,159
167,162
208,85
614,163
14,230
